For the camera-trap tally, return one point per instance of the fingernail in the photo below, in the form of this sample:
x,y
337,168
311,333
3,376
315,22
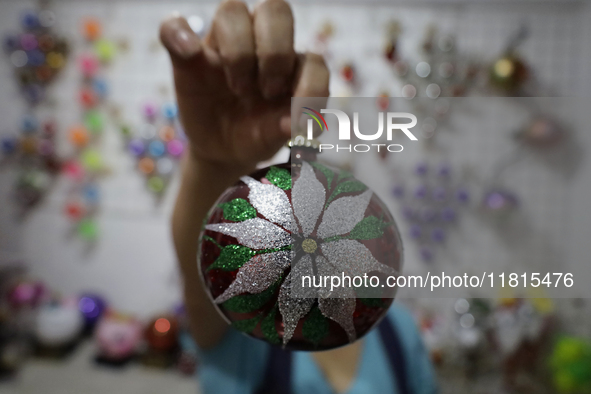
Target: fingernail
x,y
184,43
274,86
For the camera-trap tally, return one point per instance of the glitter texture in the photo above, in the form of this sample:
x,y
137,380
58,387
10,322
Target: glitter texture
x,y
280,177
308,196
268,327
347,187
315,327
353,258
340,310
292,309
309,245
257,274
232,257
238,210
369,228
246,325
254,233
250,302
270,201
343,214
328,173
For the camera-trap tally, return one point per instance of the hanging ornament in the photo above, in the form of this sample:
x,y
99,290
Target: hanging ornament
x,y
509,72
118,338
392,34
542,133
288,221
92,307
162,334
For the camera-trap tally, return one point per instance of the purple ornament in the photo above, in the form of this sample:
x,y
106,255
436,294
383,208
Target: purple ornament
x,y
462,195
415,231
175,148
36,58
422,169
398,191
11,43
438,235
28,42
9,145
136,147
448,214
92,308
150,111
421,192
500,201
30,20
444,171
426,254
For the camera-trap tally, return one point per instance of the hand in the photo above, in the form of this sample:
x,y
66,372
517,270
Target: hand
x,y
234,87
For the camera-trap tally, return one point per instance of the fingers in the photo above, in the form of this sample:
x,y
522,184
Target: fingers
x,y
178,38
232,36
311,90
273,33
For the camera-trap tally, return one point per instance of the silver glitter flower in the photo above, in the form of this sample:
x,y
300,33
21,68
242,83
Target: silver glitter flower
x,y
321,242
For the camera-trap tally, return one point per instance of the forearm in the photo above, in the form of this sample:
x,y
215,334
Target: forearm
x,y
202,183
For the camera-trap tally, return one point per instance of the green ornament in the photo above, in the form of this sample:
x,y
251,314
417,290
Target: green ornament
x,y
268,327
93,120
125,131
156,184
315,328
104,50
92,160
247,325
238,210
88,229
280,177
232,258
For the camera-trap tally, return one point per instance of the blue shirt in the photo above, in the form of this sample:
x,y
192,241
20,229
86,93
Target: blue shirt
x,y
237,364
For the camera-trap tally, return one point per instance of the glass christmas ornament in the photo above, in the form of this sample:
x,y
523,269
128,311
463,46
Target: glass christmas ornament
x,y
509,73
92,307
162,333
292,220
117,337
58,325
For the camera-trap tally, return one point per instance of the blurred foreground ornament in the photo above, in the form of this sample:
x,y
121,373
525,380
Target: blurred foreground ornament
x,y
571,365
500,202
290,221
162,334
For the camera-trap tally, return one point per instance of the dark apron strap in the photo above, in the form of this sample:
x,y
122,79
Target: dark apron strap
x,y
277,377
395,354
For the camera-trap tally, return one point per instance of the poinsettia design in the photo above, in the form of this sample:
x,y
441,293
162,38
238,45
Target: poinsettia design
x,y
317,234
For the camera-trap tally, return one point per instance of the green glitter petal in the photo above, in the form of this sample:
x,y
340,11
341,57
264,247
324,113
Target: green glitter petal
x,y
372,302
250,302
280,177
247,325
344,175
315,328
268,327
347,187
328,173
238,210
369,228
232,257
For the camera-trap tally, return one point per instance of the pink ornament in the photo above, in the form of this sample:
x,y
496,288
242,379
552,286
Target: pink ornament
x,y
150,111
175,148
117,337
74,170
28,42
89,65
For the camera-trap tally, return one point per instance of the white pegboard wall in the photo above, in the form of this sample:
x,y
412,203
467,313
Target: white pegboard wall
x,y
133,261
